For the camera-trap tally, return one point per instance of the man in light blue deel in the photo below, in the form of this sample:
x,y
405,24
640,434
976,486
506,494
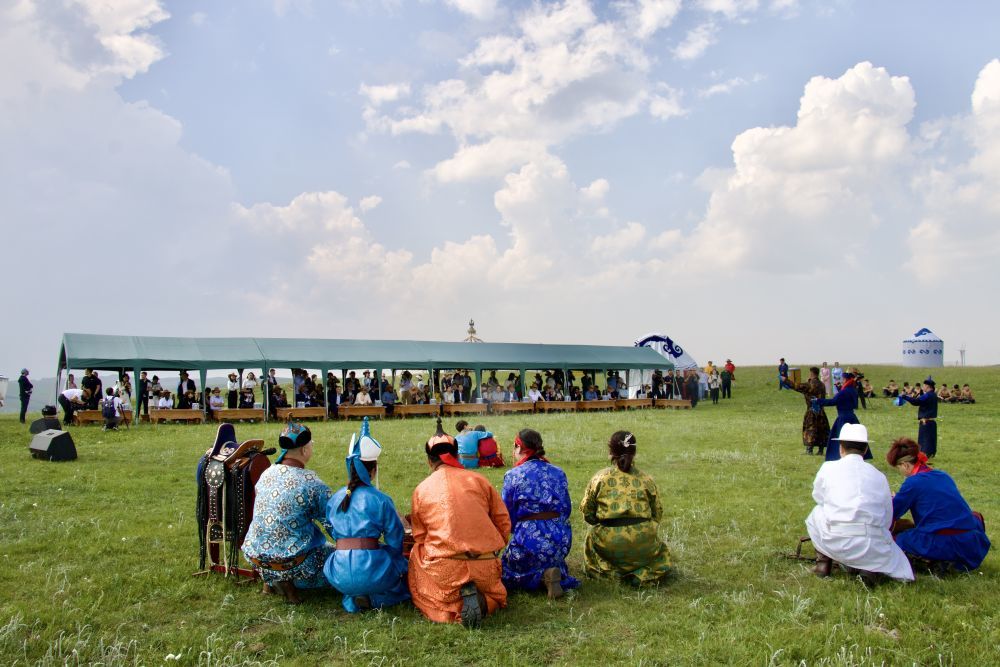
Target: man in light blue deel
x,y
370,574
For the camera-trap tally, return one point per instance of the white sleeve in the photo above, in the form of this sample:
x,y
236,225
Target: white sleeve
x,y
819,487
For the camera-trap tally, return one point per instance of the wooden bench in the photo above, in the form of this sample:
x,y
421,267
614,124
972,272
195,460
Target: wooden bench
x,y
675,403
176,414
631,403
417,409
555,406
505,408
238,414
464,408
589,406
284,414
83,417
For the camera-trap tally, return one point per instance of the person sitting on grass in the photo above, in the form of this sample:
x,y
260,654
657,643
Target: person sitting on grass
x,y
370,574
283,542
967,396
891,390
850,523
467,440
944,528
867,390
460,526
944,396
536,494
623,507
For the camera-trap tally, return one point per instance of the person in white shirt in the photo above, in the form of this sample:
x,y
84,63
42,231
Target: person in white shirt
x,y
215,401
363,397
534,395
165,402
233,391
72,400
850,523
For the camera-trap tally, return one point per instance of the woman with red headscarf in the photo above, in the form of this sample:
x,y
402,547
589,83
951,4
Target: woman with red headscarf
x,y
536,494
944,528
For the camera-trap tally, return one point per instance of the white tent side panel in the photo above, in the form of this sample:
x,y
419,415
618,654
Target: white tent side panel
x,y
923,350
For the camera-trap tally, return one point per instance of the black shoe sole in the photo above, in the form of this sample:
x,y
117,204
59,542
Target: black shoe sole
x,y
472,612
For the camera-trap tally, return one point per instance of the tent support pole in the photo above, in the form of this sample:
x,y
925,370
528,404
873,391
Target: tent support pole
x,y
136,404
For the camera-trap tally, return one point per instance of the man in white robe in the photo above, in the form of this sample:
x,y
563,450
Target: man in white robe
x,y
853,513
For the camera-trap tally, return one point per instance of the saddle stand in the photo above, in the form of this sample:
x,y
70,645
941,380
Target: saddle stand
x,y
227,475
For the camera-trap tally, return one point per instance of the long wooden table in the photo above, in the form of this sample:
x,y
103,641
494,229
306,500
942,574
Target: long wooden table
x,y
238,414
555,406
175,414
417,409
464,408
284,414
96,417
588,406
513,406
675,403
630,403
347,411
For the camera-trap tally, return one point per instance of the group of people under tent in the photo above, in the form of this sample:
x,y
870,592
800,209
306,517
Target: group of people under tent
x,y
470,543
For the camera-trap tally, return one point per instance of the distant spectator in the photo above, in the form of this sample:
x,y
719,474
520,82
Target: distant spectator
x,y
155,388
250,384
215,401
534,394
727,377
92,384
714,382
510,394
389,400
782,374
144,388
826,378
185,388
575,394
165,402
891,390
363,397
24,389
591,393
111,410
247,399
70,382
71,401
944,395
867,390
233,391
967,396
837,375
692,386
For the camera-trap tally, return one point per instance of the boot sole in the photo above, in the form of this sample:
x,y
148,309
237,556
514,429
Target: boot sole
x,y
472,612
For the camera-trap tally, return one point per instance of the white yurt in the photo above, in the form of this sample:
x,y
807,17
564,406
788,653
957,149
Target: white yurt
x,y
923,349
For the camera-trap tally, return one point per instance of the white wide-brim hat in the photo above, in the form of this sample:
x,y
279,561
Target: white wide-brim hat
x,y
853,433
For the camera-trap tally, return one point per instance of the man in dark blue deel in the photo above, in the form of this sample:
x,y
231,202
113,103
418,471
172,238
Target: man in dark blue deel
x,y
24,389
927,409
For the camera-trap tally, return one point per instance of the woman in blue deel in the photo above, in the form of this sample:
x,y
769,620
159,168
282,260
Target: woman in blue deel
x,y
370,573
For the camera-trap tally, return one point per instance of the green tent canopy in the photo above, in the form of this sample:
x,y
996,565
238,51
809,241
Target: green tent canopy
x,y
154,353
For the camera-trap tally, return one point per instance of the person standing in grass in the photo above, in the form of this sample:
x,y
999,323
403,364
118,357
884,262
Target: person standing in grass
x,y
927,412
815,425
371,574
623,506
460,526
846,402
853,514
283,542
24,388
944,528
536,494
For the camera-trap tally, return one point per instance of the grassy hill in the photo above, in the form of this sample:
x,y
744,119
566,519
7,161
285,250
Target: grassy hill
x,y
97,554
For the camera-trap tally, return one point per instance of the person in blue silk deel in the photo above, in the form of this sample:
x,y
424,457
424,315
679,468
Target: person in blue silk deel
x,y
944,528
536,494
846,402
927,412
370,574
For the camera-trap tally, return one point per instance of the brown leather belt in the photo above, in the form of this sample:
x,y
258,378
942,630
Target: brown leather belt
x,y
468,555
540,516
347,543
280,564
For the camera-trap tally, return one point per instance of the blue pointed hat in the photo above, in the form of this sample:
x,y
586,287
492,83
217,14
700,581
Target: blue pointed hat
x,y
363,447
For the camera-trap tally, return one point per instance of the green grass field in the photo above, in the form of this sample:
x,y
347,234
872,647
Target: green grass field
x,y
96,555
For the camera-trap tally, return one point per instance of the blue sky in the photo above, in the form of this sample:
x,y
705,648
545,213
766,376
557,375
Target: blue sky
x,y
748,176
